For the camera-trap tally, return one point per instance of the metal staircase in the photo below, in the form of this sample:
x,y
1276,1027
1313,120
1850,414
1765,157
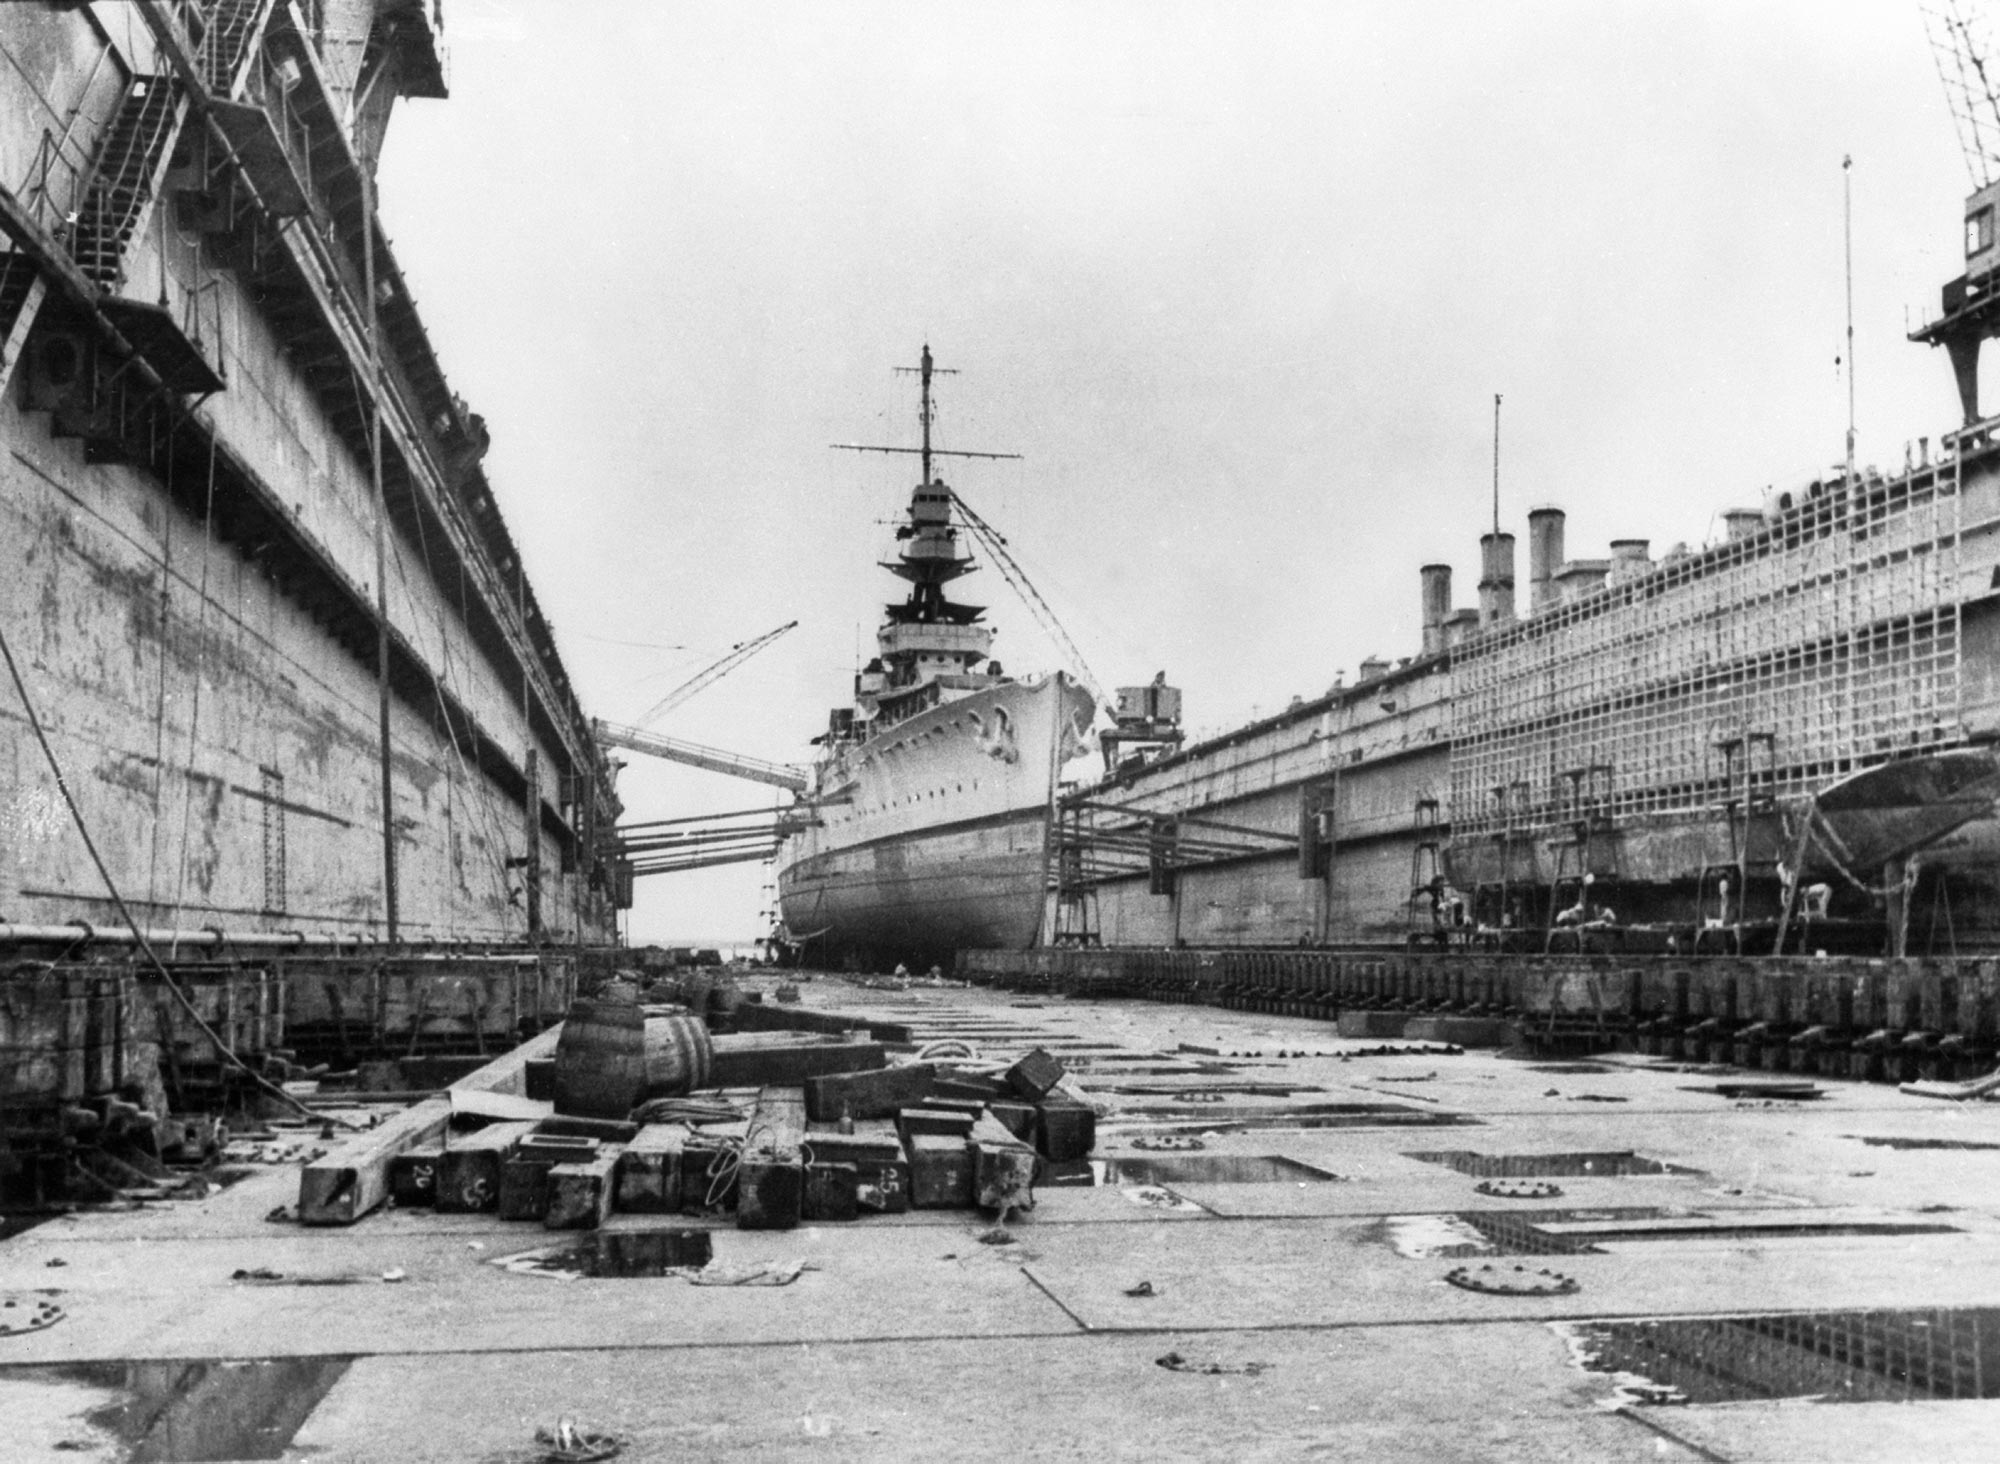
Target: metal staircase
x,y
125,179
229,38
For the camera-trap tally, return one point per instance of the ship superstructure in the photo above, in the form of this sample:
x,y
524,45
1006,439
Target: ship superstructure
x,y
926,828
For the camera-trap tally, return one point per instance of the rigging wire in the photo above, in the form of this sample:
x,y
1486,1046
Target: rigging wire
x,y
124,911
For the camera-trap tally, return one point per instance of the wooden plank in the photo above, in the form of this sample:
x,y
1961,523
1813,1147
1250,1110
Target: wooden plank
x,y
763,1017
349,1181
353,1178
606,1130
1020,1119
580,1195
758,1059
872,1094
910,1122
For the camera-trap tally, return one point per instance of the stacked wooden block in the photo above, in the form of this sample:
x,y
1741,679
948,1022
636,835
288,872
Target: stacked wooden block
x,y
847,1145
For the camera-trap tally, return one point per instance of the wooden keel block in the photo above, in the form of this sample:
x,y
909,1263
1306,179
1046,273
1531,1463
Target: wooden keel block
x,y
770,1192
703,1186
580,1194
352,1179
865,1095
468,1176
940,1173
1003,1168
524,1177
1068,1129
1003,1176
649,1171
1034,1075
524,1188
881,1169
832,1192
413,1176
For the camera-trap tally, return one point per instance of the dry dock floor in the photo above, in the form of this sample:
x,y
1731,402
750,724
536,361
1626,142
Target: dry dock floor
x,y
1782,1280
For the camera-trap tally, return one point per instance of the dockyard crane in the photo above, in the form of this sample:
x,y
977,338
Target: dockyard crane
x,y
1962,45
694,754
738,654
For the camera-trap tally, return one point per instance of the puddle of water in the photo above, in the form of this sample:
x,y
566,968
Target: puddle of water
x,y
1184,1169
1613,1164
1569,1067
1831,1356
180,1412
1893,1142
617,1253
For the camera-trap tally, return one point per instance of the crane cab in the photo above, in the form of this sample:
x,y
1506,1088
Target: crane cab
x,y
1982,232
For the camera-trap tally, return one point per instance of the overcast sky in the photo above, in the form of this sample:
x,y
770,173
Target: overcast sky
x,y
1239,282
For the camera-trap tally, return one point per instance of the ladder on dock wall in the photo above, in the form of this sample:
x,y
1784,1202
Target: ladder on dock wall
x,y
231,30
125,177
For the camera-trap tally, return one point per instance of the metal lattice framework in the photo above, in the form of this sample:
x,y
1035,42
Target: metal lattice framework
x,y
1961,36
1825,643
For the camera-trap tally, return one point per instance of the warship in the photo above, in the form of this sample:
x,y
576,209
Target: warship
x,y
926,826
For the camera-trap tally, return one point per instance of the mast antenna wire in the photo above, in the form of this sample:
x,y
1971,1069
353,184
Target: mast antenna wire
x,y
1847,229
124,911
996,545
1496,464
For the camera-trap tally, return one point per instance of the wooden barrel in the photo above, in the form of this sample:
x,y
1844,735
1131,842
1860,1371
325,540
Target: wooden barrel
x,y
601,1059
678,1053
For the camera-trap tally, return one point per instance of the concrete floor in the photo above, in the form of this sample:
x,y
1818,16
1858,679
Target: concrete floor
x,y
908,1338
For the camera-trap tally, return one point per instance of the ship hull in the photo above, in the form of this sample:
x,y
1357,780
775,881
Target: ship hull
x,y
932,836
919,898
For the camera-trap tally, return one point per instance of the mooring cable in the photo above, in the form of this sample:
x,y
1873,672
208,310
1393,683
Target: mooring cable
x,y
124,911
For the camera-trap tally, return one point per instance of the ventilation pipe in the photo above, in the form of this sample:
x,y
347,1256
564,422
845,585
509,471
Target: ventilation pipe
x,y
1629,559
1496,579
1545,556
1436,579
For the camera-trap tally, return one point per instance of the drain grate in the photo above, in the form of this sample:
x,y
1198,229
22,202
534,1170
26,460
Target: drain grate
x,y
1891,1355
1236,1117
1598,1164
1185,1169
